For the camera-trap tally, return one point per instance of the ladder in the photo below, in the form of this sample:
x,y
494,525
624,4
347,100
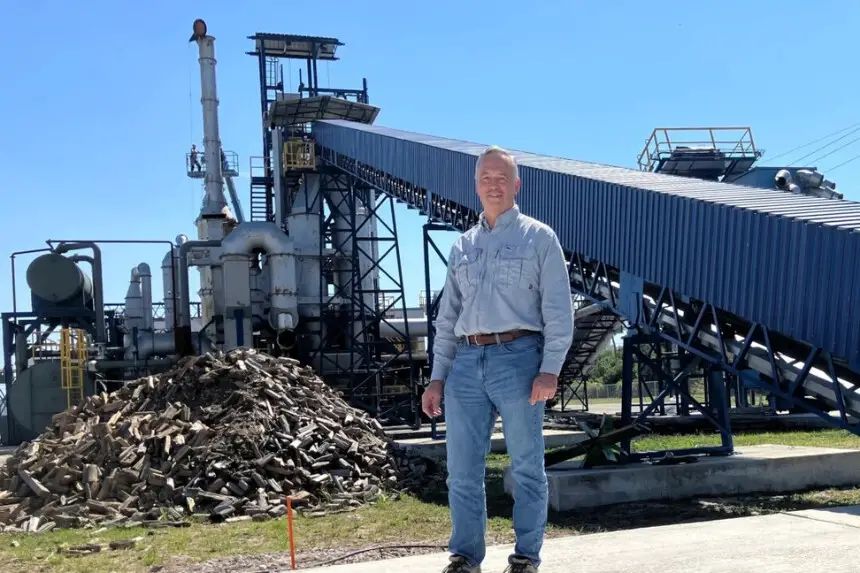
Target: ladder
x,y
261,200
73,355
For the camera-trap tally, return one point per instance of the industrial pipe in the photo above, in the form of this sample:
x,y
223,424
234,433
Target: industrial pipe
x,y
396,327
98,295
167,282
103,365
184,344
169,267
215,200
134,316
259,235
163,344
14,291
146,294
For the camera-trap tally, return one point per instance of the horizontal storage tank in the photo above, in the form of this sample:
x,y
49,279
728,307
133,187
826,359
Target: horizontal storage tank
x,y
59,281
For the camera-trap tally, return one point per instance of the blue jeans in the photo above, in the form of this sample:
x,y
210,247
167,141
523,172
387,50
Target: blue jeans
x,y
486,381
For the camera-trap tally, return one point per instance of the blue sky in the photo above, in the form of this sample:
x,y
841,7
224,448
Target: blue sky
x,y
100,103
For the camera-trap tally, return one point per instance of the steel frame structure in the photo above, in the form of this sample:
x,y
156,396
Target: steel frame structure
x,y
723,341
644,351
379,377
269,50
271,80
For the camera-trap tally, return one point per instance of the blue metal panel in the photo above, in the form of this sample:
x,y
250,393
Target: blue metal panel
x,y
774,258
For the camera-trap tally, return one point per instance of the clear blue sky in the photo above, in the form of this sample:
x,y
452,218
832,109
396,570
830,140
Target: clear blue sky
x,y
100,100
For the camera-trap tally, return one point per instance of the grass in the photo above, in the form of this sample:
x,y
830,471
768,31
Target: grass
x,y
408,519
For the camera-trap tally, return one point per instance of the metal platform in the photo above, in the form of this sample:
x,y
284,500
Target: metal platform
x,y
296,111
710,153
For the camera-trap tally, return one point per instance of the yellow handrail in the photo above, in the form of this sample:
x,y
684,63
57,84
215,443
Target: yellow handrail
x,y
73,356
299,154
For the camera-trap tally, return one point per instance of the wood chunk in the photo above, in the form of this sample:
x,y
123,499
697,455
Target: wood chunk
x,y
34,484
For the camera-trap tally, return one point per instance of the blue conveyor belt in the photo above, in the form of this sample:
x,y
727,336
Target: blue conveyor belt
x,y
763,257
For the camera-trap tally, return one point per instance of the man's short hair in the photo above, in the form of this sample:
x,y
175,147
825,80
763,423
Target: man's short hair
x,y
504,153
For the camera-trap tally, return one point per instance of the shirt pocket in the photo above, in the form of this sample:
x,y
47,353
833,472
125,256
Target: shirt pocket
x,y
517,267
468,272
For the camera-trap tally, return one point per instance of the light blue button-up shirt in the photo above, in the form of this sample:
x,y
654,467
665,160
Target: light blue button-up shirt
x,y
510,277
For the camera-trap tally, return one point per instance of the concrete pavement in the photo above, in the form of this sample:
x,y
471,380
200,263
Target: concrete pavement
x,y
812,540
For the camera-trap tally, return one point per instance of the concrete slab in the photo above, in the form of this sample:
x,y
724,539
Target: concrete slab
x,y
816,540
754,469
436,448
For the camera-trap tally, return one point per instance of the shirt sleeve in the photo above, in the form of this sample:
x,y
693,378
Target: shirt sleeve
x,y
444,340
556,307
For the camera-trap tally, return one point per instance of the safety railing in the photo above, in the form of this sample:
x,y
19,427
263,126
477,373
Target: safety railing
x,y
732,142
195,164
423,300
299,154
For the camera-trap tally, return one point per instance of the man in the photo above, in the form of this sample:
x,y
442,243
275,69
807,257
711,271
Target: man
x,y
194,162
503,329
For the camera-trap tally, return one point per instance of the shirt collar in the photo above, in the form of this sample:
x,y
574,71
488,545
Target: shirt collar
x,y
502,220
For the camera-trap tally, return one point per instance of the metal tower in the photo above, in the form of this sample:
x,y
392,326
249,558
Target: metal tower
x,y
349,331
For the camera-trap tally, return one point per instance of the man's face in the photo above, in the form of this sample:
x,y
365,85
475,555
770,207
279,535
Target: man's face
x,y
496,184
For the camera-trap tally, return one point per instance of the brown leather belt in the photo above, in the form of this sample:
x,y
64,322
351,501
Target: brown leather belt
x,y
497,338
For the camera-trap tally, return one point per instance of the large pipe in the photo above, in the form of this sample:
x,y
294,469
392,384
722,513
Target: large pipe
x,y
396,327
259,235
303,222
103,365
134,315
98,295
185,346
278,168
214,213
167,282
170,284
146,295
162,344
214,201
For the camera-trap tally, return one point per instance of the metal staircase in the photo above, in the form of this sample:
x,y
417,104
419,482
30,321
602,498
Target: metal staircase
x,y
262,176
595,326
261,196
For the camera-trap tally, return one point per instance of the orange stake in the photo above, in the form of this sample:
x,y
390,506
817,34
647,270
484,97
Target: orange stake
x,y
290,533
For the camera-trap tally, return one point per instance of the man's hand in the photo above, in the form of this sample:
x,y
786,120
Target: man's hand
x,y
431,400
543,388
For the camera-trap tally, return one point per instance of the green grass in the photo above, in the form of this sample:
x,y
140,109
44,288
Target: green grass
x,y
411,519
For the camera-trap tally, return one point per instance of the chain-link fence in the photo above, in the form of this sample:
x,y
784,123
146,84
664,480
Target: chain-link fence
x,y
612,392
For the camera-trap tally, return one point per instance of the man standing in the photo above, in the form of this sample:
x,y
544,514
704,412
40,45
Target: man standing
x,y
193,161
503,329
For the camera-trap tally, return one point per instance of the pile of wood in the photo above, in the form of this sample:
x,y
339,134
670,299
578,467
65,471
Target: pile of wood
x,y
226,436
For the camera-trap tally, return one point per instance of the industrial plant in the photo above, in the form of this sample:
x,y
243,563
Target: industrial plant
x,y
708,267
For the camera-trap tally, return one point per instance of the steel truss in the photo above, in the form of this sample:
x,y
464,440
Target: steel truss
x,y
798,377
645,359
378,375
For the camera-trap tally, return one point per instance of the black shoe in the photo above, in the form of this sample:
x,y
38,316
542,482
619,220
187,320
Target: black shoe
x,y
459,564
520,565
